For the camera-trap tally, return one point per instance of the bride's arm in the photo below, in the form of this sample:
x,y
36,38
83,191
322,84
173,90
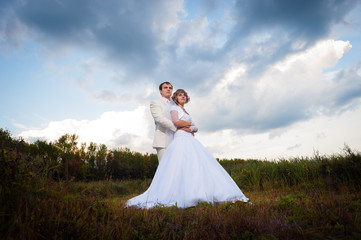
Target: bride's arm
x,y
193,128
179,123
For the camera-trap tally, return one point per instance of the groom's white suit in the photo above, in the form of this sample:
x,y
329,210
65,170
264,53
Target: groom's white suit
x,y
162,123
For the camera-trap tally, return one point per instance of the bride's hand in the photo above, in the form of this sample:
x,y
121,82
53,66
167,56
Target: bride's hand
x,y
187,129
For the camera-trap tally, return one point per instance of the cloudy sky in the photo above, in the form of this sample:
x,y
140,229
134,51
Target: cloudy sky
x,y
267,79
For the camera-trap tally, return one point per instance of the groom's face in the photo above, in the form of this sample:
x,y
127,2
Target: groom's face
x,y
166,90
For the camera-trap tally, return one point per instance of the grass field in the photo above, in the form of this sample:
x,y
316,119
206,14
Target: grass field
x,y
95,210
48,191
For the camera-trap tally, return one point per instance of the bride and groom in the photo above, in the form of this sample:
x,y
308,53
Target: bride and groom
x,y
187,173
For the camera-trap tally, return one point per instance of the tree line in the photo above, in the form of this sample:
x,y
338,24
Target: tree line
x,y
57,189
63,159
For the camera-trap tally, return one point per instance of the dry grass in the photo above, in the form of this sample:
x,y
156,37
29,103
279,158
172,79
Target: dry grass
x,y
300,198
300,212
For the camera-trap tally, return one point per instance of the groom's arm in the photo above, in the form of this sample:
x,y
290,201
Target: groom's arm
x,y
182,124
187,129
158,115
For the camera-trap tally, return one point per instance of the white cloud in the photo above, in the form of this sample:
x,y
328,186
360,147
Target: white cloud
x,y
236,119
115,129
291,90
190,32
168,19
106,96
134,129
324,134
255,104
324,54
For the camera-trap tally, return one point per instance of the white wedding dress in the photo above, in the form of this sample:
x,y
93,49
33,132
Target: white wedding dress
x,y
188,174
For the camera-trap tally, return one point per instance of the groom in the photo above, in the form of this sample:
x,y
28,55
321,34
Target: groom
x,y
162,123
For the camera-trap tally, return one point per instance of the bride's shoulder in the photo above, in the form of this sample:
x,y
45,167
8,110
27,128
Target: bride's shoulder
x,y
174,107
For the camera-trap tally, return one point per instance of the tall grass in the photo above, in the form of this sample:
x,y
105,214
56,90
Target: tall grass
x,y
332,171
299,198
95,210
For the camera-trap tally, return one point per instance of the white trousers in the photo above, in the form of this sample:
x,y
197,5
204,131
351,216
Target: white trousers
x,y
160,152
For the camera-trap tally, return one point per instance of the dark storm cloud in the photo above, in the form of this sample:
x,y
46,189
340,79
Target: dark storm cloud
x,y
122,31
245,114
287,21
271,29
195,54
58,20
306,19
348,87
263,32
294,90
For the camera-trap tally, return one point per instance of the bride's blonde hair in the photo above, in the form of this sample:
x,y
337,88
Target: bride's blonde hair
x,y
179,91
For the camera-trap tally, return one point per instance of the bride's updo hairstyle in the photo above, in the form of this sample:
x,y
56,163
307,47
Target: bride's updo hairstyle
x,y
179,91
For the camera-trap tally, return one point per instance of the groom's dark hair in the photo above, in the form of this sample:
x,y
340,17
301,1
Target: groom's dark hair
x,y
161,85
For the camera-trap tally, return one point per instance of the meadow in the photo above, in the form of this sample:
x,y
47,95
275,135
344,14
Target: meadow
x,y
57,190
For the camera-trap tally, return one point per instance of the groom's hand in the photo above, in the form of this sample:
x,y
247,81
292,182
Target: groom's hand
x,y
187,129
182,124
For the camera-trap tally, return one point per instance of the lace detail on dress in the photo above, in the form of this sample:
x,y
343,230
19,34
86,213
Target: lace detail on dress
x,y
177,114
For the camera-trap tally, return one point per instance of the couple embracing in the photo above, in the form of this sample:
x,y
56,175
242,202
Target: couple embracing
x,y
187,173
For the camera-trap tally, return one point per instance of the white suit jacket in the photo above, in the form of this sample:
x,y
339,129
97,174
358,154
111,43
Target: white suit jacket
x,y
162,123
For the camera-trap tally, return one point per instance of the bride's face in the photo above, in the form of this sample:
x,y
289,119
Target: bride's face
x,y
181,98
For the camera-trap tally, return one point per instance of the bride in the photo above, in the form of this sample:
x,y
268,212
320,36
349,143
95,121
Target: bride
x,y
188,173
